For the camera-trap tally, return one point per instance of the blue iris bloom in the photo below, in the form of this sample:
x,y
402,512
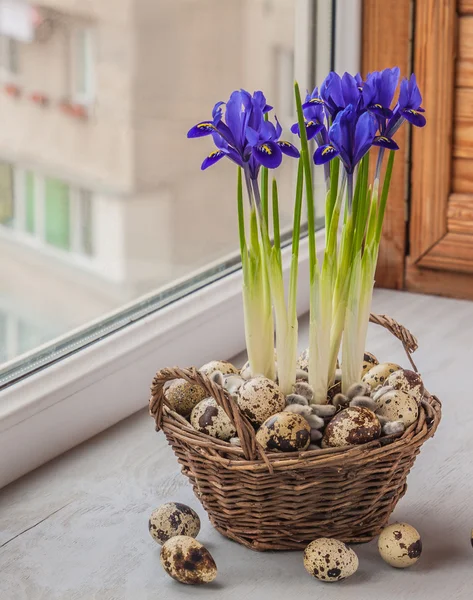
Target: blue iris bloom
x,y
350,137
408,107
337,93
378,92
314,115
245,137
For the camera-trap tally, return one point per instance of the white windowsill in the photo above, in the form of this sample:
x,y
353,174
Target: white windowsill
x,y
57,408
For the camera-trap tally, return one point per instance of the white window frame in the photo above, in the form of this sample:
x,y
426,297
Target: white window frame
x,y
83,97
54,409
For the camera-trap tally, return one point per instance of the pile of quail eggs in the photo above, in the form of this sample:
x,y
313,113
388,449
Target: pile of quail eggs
x,y
383,404
175,526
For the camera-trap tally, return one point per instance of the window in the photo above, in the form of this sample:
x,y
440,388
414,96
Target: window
x,y
125,253
49,210
82,67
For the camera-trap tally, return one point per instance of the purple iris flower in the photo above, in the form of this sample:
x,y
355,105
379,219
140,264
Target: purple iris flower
x,y
350,136
378,92
408,107
336,93
245,137
314,115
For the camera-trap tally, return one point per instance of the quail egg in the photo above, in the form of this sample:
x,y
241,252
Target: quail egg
x,y
396,405
400,545
223,366
352,425
369,361
173,519
330,560
407,381
182,396
186,560
208,417
378,374
285,431
259,398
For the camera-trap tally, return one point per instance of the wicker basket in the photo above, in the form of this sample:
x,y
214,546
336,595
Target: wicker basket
x,y
282,501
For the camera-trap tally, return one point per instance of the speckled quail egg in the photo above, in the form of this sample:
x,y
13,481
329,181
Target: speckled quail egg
x,y
369,361
352,425
210,418
330,560
396,405
218,365
400,545
171,519
182,396
407,381
259,398
378,374
186,560
285,431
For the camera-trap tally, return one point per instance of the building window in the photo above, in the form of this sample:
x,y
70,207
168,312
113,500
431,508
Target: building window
x,y
83,71
47,209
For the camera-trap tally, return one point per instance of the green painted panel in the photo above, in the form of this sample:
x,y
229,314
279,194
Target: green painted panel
x,y
57,214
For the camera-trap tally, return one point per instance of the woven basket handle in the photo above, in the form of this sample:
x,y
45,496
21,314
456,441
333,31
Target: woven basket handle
x,y
408,341
245,431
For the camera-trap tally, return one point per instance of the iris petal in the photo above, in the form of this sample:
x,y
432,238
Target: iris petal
x,y
312,102
201,129
380,111
212,158
288,149
295,128
385,142
414,117
325,153
268,154
312,128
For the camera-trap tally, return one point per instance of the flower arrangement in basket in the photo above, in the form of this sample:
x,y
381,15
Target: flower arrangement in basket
x,y
333,441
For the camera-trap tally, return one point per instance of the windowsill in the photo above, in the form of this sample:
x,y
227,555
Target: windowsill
x,y
96,500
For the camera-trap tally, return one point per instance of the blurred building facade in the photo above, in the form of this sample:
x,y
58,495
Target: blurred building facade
x,y
101,195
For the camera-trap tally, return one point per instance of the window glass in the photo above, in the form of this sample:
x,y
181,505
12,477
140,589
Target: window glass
x,y
57,213
111,206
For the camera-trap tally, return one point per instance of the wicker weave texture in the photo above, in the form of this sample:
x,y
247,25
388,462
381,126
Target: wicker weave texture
x,y
282,501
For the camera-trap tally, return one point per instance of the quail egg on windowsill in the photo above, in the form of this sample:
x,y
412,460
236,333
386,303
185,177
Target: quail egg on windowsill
x,y
330,560
171,519
400,545
186,560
